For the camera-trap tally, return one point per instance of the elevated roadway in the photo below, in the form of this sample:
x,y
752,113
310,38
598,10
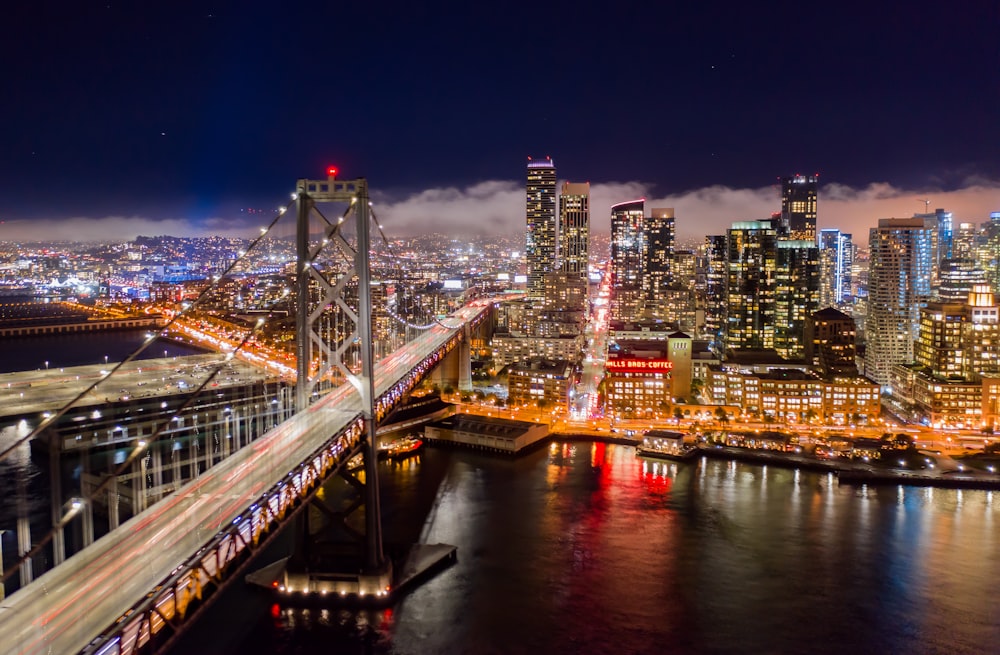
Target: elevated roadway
x,y
140,581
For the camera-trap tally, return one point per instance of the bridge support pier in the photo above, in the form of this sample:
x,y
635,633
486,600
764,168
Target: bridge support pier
x,y
455,369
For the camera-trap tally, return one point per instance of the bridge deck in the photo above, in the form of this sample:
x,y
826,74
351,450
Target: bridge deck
x,y
66,608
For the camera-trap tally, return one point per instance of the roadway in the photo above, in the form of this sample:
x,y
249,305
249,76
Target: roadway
x,y
66,608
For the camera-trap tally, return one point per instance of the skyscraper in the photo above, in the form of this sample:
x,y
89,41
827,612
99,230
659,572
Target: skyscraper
x,y
902,252
798,206
715,284
796,294
540,236
836,254
626,257
574,227
658,255
750,271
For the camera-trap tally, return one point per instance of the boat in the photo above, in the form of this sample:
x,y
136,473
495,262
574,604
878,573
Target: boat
x,y
662,444
401,448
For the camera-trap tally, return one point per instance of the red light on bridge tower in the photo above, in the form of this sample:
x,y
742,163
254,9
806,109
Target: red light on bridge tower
x,y
331,171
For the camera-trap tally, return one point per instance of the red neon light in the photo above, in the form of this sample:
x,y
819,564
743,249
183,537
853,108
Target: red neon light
x,y
639,365
331,171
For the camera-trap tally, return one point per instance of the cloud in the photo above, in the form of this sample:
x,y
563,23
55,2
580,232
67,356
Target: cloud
x,y
108,228
497,207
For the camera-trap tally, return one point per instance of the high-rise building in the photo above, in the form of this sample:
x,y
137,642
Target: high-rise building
x,y
836,261
956,279
798,206
964,246
796,294
902,252
830,343
715,284
750,271
945,233
540,236
626,258
988,250
574,227
658,255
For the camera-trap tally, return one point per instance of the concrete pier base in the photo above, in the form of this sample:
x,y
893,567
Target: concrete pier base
x,y
354,586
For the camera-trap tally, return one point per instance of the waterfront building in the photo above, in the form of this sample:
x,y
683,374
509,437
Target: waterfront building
x,y
958,348
637,381
902,254
798,206
540,235
574,228
794,395
541,383
627,250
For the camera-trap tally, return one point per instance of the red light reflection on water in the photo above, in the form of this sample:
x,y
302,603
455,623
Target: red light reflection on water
x,y
656,477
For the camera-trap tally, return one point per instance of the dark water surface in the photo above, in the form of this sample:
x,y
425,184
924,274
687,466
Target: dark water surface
x,y
64,350
585,548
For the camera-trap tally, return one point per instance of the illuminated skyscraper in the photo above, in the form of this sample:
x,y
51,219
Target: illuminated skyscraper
x,y
658,255
798,206
902,252
796,294
750,273
715,284
626,258
574,227
836,254
540,246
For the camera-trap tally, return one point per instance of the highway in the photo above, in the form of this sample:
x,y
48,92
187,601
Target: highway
x,y
66,608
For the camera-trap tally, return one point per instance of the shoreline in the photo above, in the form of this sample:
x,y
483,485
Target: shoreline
x,y
847,472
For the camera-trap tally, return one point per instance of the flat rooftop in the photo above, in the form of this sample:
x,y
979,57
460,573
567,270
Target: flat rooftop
x,y
28,392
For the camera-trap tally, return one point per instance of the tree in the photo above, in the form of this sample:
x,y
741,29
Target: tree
x,y
810,415
721,415
678,414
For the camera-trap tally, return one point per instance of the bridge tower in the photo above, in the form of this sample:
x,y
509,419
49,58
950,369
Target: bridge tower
x,y
317,359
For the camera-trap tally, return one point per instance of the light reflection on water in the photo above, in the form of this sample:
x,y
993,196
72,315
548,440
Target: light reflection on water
x,y
587,548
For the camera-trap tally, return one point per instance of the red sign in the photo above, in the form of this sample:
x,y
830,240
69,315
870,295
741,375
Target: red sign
x,y
639,365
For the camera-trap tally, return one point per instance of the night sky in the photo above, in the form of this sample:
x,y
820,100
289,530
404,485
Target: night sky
x,y
185,112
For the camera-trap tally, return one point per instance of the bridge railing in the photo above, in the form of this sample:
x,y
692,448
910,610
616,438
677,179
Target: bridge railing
x,y
204,572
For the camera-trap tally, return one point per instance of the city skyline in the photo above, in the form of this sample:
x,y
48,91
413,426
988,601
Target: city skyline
x,y
176,118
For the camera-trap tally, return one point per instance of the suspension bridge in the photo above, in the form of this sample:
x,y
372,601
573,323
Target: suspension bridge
x,y
137,588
